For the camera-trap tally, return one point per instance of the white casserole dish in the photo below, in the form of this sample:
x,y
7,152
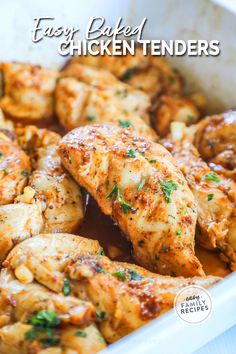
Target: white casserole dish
x,y
216,77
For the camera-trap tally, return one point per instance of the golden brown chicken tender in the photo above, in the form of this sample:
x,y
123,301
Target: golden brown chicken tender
x,y
215,140
125,296
28,91
215,197
138,184
14,169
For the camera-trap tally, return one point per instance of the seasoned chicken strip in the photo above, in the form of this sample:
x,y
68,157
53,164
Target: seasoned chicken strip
x,y
80,104
14,169
18,222
58,194
172,108
138,184
28,91
215,139
70,340
51,252
125,296
215,196
20,300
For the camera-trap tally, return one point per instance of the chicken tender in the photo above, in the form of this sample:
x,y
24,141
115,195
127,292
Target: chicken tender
x,y
20,301
66,340
28,91
174,109
51,252
18,222
14,169
215,196
80,104
59,195
215,140
138,184
125,296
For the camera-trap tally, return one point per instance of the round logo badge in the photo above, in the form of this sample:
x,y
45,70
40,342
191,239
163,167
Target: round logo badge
x,y
193,304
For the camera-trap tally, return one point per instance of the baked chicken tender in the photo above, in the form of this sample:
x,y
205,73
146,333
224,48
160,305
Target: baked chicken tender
x,y
215,139
58,194
28,91
78,103
14,169
138,184
215,197
125,296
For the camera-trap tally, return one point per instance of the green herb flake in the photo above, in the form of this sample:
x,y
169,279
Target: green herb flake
x,y
25,173
101,315
100,269
81,334
212,176
120,275
141,184
128,74
153,161
66,287
210,197
1,154
45,319
131,153
157,258
178,232
115,192
134,275
91,117
7,171
168,187
30,335
124,124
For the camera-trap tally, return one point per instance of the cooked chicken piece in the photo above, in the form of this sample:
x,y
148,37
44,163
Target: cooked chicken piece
x,y
174,109
28,91
150,74
66,340
50,255
18,222
139,185
58,194
118,66
125,296
215,140
19,301
80,104
215,196
14,169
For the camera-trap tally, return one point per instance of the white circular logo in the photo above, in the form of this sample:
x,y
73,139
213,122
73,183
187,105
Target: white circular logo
x,y
193,304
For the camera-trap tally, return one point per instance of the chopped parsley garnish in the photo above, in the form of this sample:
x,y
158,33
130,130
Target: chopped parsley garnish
x,y
124,124
128,74
119,275
101,315
25,173
102,253
81,334
141,184
7,171
115,192
131,153
153,161
178,232
168,187
212,176
44,323
134,275
210,197
91,117
1,154
99,269
66,287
